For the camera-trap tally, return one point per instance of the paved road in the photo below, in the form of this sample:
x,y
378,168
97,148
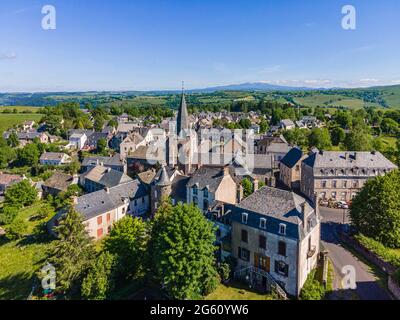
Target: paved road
x,y
368,287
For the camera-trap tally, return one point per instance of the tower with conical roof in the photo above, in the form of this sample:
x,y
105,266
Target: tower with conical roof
x,y
182,121
160,189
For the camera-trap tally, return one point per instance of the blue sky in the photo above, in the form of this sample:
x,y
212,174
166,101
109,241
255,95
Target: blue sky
x,y
155,44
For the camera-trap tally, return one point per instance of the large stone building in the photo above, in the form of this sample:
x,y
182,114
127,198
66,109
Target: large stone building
x,y
274,236
340,175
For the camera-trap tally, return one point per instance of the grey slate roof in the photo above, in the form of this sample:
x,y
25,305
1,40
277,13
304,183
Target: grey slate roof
x,y
107,177
207,177
338,159
59,181
52,156
292,157
277,206
277,203
111,161
163,180
92,204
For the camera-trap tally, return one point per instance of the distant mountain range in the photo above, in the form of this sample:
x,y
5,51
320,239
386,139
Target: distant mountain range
x,y
254,86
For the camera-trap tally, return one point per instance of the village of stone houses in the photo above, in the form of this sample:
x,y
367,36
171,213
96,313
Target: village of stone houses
x,y
111,203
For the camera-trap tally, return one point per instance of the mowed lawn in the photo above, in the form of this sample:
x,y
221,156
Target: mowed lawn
x,y
20,260
237,291
8,120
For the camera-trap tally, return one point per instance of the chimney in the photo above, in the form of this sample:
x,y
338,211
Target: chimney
x,y
75,200
107,190
355,155
240,194
97,161
346,155
316,204
255,185
226,171
303,208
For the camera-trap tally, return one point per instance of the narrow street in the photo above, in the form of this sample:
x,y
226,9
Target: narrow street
x,y
368,286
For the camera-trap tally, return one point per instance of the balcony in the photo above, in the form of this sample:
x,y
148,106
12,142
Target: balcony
x,y
311,251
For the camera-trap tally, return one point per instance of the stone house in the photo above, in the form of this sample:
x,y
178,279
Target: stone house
x,y
339,175
209,184
6,180
101,177
115,162
275,236
58,182
54,158
101,209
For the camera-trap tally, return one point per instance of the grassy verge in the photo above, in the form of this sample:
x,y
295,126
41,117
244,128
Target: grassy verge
x,y
387,254
237,291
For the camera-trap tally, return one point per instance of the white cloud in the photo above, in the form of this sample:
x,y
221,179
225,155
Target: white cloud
x,y
8,56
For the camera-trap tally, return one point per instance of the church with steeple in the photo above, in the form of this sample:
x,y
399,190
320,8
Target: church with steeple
x,y
182,142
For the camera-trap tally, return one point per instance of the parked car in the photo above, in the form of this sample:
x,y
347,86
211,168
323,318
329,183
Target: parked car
x,y
342,205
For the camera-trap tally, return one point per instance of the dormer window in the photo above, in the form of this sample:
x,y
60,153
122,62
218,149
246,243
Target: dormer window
x,y
205,193
195,190
263,223
282,229
245,217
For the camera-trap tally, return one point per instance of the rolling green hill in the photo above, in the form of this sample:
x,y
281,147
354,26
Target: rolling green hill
x,y
380,97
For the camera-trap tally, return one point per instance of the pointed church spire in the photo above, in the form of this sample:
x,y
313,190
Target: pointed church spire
x,y
182,121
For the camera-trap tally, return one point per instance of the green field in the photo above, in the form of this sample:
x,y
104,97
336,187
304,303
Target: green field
x,y
326,100
20,260
20,108
7,121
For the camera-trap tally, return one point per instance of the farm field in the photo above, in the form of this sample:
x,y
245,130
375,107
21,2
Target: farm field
x,y
333,101
7,120
20,108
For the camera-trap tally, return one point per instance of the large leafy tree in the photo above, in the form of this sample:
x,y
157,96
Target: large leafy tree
x,y
338,135
298,137
358,140
183,251
375,211
12,140
320,138
29,155
127,242
99,280
72,252
21,194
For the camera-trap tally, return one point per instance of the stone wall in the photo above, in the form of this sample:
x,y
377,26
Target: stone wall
x,y
384,266
394,287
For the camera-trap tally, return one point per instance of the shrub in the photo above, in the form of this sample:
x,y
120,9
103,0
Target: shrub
x,y
387,254
312,289
17,229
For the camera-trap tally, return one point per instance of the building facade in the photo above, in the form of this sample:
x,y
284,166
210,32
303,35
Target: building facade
x,y
339,176
276,232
